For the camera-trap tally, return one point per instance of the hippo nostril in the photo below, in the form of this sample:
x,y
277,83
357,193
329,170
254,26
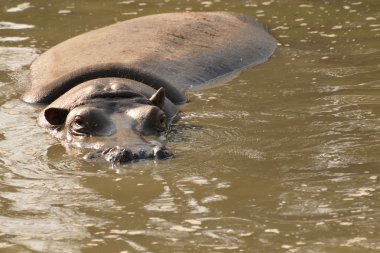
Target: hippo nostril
x,y
161,152
143,154
118,155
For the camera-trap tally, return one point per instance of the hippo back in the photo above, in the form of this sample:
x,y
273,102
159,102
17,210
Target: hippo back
x,y
176,51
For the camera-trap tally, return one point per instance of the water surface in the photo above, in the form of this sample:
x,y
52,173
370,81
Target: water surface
x,y
283,158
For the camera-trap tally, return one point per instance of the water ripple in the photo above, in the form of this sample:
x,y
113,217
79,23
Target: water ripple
x,y
14,26
46,197
20,7
13,58
13,39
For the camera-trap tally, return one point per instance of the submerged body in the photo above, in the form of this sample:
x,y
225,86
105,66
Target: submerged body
x,y
110,87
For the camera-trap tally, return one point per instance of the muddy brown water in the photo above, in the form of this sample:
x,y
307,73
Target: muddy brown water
x,y
283,158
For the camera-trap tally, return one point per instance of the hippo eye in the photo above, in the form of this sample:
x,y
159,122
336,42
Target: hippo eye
x,y
162,119
78,120
78,126
162,123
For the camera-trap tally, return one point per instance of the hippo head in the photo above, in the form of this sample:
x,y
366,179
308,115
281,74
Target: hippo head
x,y
120,124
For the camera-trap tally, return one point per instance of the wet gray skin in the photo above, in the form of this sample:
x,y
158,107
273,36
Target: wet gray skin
x,y
112,88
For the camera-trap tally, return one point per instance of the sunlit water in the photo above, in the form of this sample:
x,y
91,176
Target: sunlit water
x,y
284,158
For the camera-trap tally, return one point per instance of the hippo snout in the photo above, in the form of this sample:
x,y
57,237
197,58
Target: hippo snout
x,y
121,155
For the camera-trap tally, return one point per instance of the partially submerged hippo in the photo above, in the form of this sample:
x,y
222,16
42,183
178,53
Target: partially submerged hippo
x,y
110,88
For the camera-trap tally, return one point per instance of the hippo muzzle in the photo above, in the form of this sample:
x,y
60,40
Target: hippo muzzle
x,y
120,155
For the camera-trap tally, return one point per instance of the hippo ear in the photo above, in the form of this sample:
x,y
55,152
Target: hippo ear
x,y
56,116
158,98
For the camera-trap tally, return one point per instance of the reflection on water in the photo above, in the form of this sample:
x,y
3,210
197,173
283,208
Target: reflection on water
x,y
14,26
39,203
19,7
282,159
11,58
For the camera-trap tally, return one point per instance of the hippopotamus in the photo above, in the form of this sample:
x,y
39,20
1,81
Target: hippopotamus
x,y
115,89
